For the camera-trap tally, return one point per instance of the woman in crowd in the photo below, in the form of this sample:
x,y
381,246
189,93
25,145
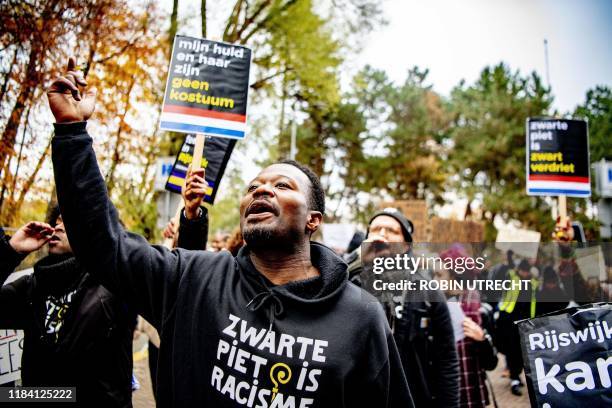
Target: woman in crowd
x,y
474,344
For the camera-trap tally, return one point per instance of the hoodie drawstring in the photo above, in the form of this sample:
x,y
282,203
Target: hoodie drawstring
x,y
276,308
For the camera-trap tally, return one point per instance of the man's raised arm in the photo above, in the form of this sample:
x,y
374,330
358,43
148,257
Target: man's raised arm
x,y
144,275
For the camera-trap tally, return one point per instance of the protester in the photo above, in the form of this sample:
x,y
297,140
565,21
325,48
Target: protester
x,y
551,296
279,321
516,304
219,241
77,333
235,242
574,283
499,273
476,351
424,333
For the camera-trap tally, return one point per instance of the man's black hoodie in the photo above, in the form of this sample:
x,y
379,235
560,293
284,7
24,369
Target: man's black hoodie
x,y
230,338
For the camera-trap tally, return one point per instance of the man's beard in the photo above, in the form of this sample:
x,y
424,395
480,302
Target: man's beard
x,y
261,237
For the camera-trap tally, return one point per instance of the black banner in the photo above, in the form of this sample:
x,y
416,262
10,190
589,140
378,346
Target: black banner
x,y
567,357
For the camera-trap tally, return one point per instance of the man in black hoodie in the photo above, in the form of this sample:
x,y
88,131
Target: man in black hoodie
x,y
277,326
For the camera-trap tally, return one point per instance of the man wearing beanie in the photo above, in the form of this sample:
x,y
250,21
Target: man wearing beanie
x,y
422,327
388,223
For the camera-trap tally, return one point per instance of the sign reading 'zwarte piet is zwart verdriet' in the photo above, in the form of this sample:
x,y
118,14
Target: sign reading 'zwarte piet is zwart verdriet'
x,y
207,88
558,157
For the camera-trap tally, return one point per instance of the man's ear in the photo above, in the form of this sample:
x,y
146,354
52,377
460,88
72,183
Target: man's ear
x,y
315,218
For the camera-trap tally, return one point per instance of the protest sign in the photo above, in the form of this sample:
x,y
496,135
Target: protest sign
x,y
11,347
591,263
435,229
444,231
522,241
207,88
567,357
558,158
216,155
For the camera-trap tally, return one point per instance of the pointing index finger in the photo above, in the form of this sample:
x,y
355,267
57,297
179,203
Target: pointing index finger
x,y
71,64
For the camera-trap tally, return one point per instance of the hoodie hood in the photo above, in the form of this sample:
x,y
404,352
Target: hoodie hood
x,y
58,273
333,276
314,291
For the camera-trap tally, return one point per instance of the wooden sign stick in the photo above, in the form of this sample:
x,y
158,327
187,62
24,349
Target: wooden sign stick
x,y
198,151
562,210
196,163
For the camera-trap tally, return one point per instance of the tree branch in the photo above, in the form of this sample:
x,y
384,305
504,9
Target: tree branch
x,y
249,20
265,21
232,21
259,83
203,17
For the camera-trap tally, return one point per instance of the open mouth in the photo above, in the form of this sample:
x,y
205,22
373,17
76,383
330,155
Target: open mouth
x,y
260,209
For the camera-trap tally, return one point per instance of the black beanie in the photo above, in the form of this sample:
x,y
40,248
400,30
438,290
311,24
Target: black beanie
x,y
524,265
550,275
407,226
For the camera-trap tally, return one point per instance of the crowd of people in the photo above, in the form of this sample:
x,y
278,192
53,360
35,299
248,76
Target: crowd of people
x,y
265,316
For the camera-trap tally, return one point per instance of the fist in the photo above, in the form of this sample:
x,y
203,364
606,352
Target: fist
x,y
31,237
194,191
66,101
170,230
563,230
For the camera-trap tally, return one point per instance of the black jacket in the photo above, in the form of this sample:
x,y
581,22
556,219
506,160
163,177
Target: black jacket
x,y
228,336
76,333
193,234
425,340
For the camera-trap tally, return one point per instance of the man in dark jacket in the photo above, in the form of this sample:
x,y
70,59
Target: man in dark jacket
x,y
516,304
76,333
276,326
421,321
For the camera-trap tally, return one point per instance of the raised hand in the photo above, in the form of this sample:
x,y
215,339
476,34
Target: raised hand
x,y
563,230
194,192
473,330
65,99
31,237
170,230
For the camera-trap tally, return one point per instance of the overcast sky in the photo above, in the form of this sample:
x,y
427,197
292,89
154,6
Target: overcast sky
x,y
455,39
